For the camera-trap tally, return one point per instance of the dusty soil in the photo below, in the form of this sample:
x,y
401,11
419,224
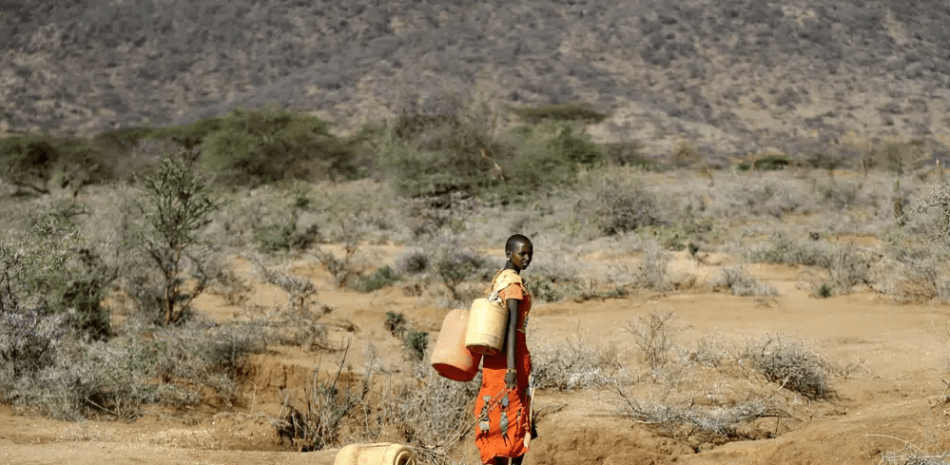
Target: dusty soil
x,y
897,396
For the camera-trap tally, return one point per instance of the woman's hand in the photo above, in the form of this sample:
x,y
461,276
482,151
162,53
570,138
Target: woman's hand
x,y
511,379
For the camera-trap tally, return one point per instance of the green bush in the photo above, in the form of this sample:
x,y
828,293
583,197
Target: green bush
x,y
546,156
284,237
629,154
279,229
454,264
452,150
418,172
395,323
382,277
37,163
575,112
416,343
262,146
439,149
767,163
413,262
177,204
52,268
548,289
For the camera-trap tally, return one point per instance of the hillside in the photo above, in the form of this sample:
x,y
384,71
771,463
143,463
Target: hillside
x,y
731,76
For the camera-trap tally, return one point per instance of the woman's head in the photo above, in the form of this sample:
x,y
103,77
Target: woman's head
x,y
519,251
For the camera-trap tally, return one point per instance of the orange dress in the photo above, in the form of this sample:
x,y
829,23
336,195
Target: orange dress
x,y
503,427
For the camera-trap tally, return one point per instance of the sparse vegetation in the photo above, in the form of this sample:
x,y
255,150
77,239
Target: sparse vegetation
x,y
625,207
281,231
176,204
416,343
791,364
724,422
464,182
574,364
654,335
328,403
563,112
697,145
395,323
382,277
782,250
454,264
741,283
40,164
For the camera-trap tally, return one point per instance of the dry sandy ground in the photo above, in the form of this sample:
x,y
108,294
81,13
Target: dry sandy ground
x,y
897,396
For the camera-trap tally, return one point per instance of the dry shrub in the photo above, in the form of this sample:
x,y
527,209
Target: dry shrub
x,y
919,282
299,290
574,364
741,283
297,322
708,352
685,155
912,455
328,405
761,195
849,266
652,272
621,205
897,156
455,263
226,283
342,269
724,422
175,366
784,251
428,412
791,364
915,274
655,336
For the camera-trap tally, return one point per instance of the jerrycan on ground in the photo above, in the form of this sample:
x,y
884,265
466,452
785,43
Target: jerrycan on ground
x,y
381,453
450,358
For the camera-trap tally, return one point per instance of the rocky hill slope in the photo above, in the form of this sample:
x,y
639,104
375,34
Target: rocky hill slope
x,y
730,76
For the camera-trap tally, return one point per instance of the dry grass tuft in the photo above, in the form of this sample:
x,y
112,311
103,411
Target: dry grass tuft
x,y
741,283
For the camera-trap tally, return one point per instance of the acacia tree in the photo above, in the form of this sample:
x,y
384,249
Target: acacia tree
x,y
177,204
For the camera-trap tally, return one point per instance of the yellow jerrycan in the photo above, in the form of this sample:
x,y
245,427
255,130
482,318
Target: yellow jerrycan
x,y
485,333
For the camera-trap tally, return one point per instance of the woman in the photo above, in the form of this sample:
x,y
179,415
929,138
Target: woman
x,y
503,405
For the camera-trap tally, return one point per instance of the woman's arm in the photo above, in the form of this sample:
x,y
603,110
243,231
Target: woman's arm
x,y
511,377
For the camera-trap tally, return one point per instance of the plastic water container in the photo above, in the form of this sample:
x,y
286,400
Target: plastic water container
x,y
450,358
381,453
485,333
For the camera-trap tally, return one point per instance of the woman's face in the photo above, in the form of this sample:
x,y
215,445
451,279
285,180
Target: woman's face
x,y
521,256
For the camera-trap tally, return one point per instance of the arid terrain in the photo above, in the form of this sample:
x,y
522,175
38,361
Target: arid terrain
x,y
897,396
884,356
230,229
